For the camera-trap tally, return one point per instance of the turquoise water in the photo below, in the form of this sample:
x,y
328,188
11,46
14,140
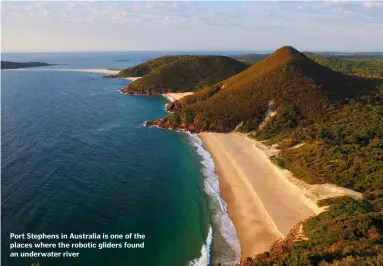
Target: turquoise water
x,y
77,158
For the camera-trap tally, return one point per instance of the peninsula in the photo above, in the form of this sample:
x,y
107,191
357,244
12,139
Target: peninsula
x,y
324,167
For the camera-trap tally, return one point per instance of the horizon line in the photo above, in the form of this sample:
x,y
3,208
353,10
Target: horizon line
x,y
262,51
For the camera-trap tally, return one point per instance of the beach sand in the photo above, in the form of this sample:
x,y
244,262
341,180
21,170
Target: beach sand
x,y
176,96
90,70
263,201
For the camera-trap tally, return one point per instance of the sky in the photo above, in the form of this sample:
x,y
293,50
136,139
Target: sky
x,y
251,26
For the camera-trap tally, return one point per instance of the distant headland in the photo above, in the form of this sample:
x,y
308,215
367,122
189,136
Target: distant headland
x,y
16,65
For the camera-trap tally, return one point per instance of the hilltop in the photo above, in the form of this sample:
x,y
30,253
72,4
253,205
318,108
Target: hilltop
x,y
148,66
182,74
15,65
361,64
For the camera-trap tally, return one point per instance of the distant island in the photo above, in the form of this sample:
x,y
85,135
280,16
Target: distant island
x,y
319,117
15,65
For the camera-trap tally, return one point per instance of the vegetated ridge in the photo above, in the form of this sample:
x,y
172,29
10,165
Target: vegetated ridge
x,y
182,73
365,66
15,65
249,58
146,67
360,64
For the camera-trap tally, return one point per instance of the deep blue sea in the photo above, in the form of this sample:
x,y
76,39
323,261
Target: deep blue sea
x,y
76,158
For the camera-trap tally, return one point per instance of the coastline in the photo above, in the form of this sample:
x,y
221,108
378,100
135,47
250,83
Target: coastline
x,y
89,70
263,201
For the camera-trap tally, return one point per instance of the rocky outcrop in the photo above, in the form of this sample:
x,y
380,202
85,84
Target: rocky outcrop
x,y
284,245
172,123
110,76
133,90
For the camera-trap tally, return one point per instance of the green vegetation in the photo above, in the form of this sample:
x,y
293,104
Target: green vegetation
x,y
147,67
348,233
184,73
366,65
249,58
344,148
278,161
356,65
14,65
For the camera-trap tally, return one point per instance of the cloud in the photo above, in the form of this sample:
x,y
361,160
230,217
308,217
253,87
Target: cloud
x,y
189,25
373,4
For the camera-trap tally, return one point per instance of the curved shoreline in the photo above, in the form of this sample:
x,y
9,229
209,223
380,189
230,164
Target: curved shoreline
x,y
220,217
263,201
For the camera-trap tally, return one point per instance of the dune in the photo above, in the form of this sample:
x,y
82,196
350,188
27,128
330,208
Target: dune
x,y
174,96
264,201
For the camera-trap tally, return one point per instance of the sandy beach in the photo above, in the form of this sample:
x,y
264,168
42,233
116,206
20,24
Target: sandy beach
x,y
264,201
173,96
90,70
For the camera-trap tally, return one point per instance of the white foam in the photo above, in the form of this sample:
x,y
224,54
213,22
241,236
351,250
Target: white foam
x,y
170,98
204,260
108,126
221,218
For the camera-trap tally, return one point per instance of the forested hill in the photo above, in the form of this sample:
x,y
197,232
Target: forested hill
x,y
367,66
249,58
287,78
363,64
15,65
183,73
148,66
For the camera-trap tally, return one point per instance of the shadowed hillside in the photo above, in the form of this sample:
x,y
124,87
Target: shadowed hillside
x,y
184,73
149,66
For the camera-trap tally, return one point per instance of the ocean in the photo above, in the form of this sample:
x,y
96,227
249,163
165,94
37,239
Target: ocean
x,y
77,158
